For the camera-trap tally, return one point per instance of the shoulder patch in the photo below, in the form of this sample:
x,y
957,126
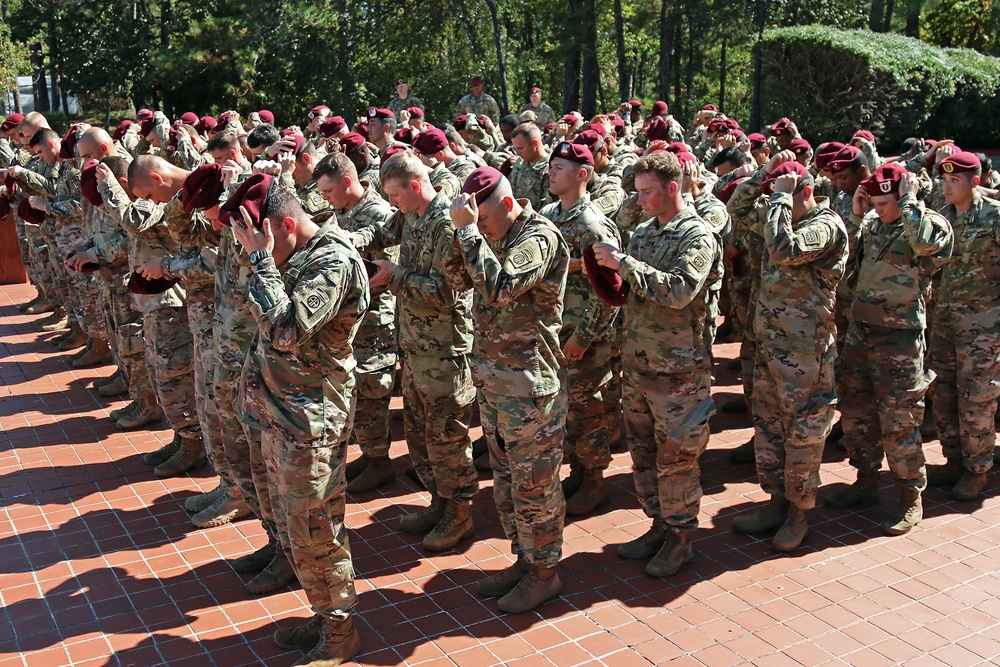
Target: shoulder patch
x,y
526,256
314,301
143,205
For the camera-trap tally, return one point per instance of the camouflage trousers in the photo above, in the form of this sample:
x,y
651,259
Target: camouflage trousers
x,y
437,408
78,291
965,354
169,358
884,382
371,416
39,265
712,301
132,350
748,354
525,439
666,420
793,410
592,418
242,447
308,489
116,304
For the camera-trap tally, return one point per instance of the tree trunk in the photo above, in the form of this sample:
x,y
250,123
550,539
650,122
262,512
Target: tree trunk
x,y
676,65
624,81
469,28
913,9
666,49
755,120
40,86
54,62
17,100
590,67
877,15
501,63
887,23
571,69
723,67
349,89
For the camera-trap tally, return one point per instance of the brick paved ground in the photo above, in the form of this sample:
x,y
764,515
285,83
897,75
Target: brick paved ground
x,y
99,564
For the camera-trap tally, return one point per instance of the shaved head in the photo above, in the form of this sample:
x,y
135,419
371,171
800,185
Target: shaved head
x,y
153,178
95,144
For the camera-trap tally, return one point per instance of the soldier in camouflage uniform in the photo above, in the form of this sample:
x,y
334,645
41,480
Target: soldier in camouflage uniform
x,y
586,333
529,175
434,297
478,103
965,340
306,157
13,153
358,206
300,383
543,112
429,146
519,264
904,245
403,99
670,262
805,249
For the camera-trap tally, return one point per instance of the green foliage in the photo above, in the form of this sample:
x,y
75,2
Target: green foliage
x,y
13,59
963,23
836,81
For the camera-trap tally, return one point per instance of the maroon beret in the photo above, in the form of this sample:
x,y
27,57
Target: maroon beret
x,y
287,132
223,119
635,104
826,153
573,152
404,134
617,124
864,134
375,112
481,183
400,82
710,107
299,140
253,196
686,158
659,108
28,214
146,126
549,127
10,183
266,116
884,180
143,114
844,158
88,183
362,129
782,170
757,140
799,147
392,149
729,188
716,125
930,142
318,110
351,142
371,268
430,142
570,119
189,118
731,124
139,285
534,89
205,124
607,284
415,112
591,139
120,130
68,143
960,162
332,126
460,122
657,130
11,121
203,187
677,147
475,81
780,126
598,128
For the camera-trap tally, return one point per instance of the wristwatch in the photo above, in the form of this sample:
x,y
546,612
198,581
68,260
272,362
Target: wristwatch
x,y
257,255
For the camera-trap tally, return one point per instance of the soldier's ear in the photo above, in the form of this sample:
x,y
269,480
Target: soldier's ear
x,y
508,203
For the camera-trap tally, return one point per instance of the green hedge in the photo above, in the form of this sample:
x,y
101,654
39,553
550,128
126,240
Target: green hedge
x,y
833,82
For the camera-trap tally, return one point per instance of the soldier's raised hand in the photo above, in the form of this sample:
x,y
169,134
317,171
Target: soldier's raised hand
x,y
909,184
778,160
861,201
786,183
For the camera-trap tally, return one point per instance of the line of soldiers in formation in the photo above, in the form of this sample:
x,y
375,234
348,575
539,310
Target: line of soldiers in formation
x,y
258,288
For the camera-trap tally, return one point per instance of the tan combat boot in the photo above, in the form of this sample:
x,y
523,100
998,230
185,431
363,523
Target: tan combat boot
x,y
969,486
424,520
226,509
54,322
42,305
863,492
792,531
164,453
505,580
378,473
744,453
945,474
81,352
908,513
301,637
339,642
126,409
191,454
23,307
114,387
197,503
769,518
278,574
101,382
643,546
483,462
572,484
455,525
591,494
675,552
538,586
74,339
254,563
356,467
98,354
143,415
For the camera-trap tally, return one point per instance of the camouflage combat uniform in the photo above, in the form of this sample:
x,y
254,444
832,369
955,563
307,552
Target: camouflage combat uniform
x,y
519,286
442,178
484,105
543,114
531,181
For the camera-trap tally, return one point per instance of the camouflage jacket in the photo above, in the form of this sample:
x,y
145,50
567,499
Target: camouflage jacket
x,y
313,203
520,282
484,105
606,190
447,181
585,315
531,181
299,380
844,207
970,281
11,153
66,203
38,178
463,165
544,114
748,209
803,262
431,285
375,344
897,264
398,104
668,269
